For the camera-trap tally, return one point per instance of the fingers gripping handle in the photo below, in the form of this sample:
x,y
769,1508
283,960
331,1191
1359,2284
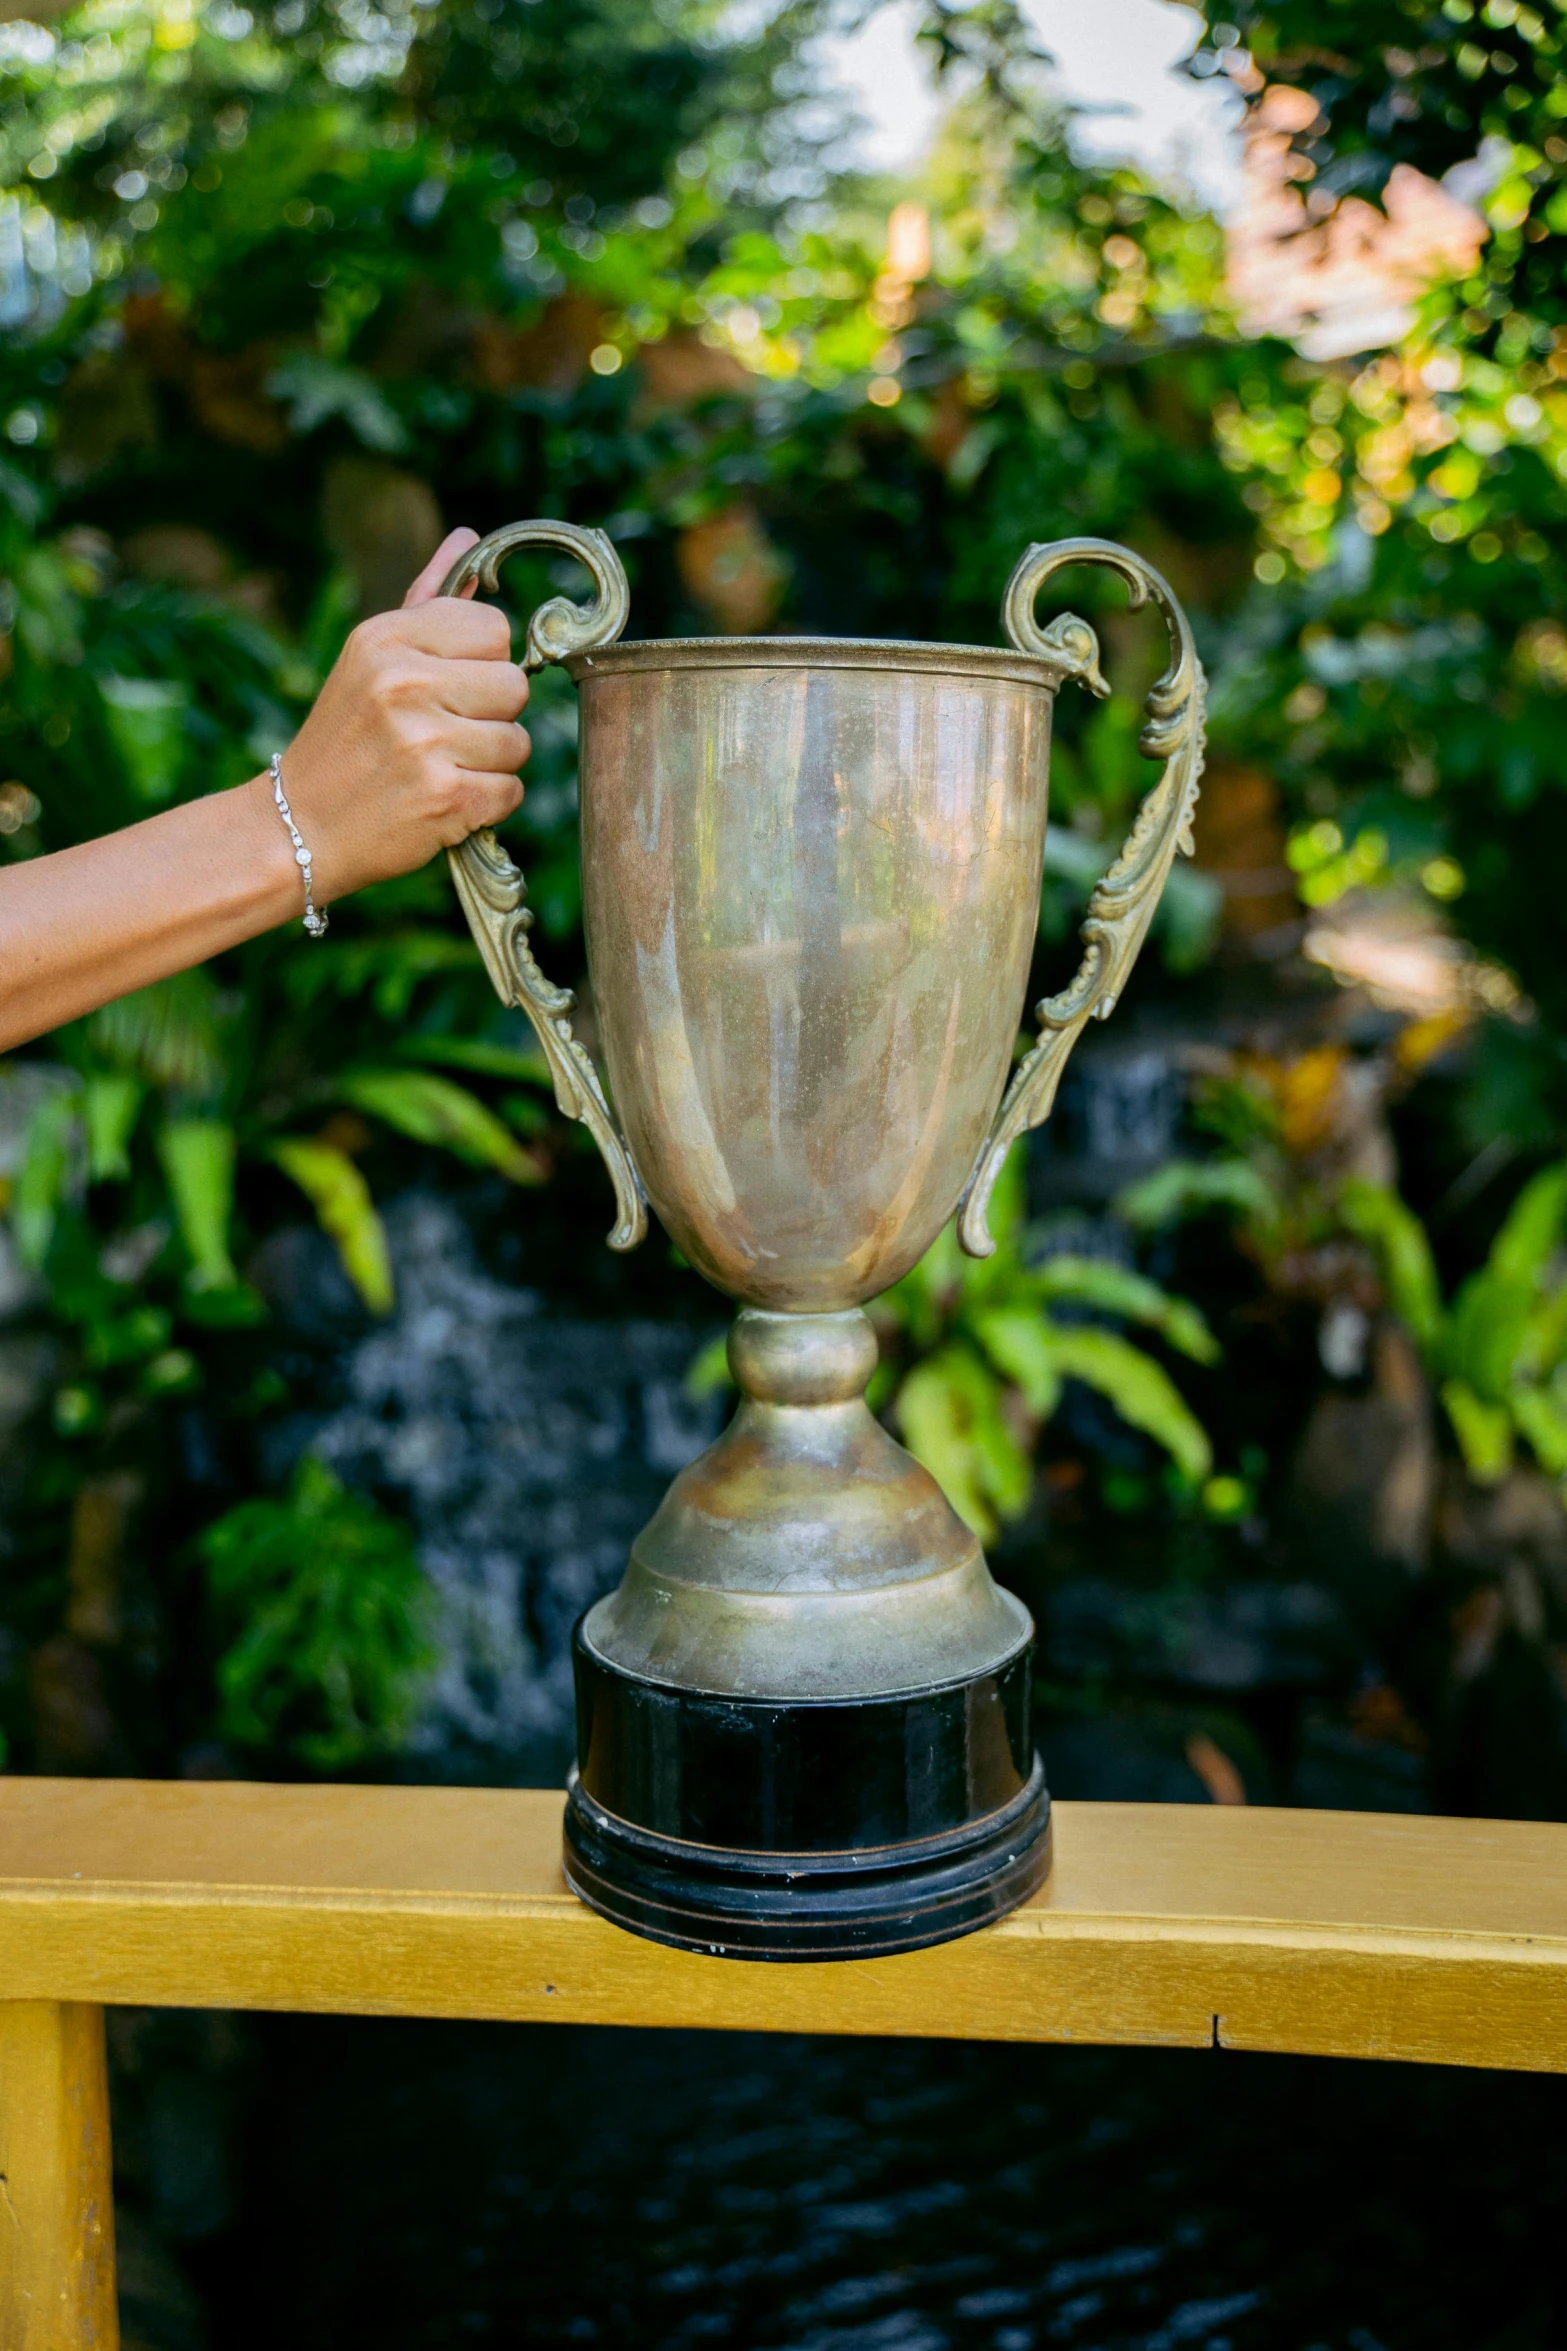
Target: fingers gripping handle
x,y
559,627
491,886
1123,905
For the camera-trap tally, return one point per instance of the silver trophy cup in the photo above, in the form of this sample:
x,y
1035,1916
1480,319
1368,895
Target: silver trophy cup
x,y
811,872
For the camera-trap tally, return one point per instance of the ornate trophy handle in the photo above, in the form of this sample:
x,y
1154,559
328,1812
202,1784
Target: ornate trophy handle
x,y
491,887
1123,904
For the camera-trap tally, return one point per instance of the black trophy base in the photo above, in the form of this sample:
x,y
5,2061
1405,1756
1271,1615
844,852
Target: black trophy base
x,y
809,1829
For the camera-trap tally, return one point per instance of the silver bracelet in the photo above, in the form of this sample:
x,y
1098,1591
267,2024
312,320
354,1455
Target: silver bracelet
x,y
315,923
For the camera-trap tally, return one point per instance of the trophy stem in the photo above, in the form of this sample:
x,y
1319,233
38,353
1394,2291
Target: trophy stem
x,y
803,1719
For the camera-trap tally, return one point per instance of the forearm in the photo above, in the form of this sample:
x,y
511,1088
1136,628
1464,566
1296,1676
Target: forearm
x,y
85,925
412,745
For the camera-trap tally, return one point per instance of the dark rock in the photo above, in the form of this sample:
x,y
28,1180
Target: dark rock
x,y
1337,1769
1364,1479
301,1277
528,1447
1117,1118
1119,1759
1239,1636
74,1723
1487,1531
29,1365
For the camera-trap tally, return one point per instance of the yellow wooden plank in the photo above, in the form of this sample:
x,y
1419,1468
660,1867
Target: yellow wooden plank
x,y
56,2206
1334,1933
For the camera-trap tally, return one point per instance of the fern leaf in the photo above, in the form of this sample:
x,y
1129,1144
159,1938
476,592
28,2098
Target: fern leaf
x,y
1116,1289
526,1064
169,1034
1533,1230
1541,1414
1020,1343
1398,1238
1141,1390
110,1104
325,1615
949,1409
347,1215
1186,1187
41,1178
431,1109
198,1161
1484,1432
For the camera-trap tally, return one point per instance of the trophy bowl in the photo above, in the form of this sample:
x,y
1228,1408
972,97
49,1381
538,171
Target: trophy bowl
x,y
811,877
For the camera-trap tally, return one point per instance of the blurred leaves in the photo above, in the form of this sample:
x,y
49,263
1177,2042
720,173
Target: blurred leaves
x,y
431,1109
40,1182
993,1340
316,389
280,303
322,1616
170,1034
146,725
346,1213
111,1103
198,1157
1498,1350
1380,1218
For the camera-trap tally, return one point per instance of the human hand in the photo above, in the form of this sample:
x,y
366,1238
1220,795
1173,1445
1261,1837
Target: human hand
x,y
413,743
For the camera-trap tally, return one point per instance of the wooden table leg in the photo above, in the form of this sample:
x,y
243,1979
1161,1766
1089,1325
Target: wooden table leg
x,y
56,2199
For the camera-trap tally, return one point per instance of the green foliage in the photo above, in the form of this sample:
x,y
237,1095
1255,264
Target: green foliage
x,y
1406,684
1189,1187
1420,84
111,1104
1142,1392
431,1109
986,1344
1268,1118
1395,1233
169,1035
35,1197
198,1160
299,286
341,1199
322,1615
1499,1349
950,1411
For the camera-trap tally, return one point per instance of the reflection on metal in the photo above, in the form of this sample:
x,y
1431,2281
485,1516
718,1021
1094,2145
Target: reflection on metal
x,y
491,887
1123,905
811,875
811,883
806,1500
559,627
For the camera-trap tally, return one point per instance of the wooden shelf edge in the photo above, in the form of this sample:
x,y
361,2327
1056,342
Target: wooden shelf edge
x,y
1333,1935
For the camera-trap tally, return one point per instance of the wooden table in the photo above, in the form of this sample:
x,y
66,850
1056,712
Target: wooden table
x,y
1331,1934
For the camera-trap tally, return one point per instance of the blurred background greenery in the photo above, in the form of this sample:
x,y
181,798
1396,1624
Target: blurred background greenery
x,y
1263,1404
323,1409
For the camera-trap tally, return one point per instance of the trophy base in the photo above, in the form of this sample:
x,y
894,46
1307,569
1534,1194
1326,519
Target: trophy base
x,y
805,1829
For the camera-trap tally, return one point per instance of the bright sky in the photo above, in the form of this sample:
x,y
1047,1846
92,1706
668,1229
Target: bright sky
x,y
1116,57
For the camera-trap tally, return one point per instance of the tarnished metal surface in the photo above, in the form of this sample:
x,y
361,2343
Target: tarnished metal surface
x,y
1124,903
1049,665
811,890
811,875
491,886
806,1554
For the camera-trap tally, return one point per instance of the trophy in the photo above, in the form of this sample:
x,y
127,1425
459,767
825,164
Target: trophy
x,y
811,878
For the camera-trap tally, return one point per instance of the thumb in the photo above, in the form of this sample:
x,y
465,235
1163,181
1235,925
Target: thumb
x,y
428,584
